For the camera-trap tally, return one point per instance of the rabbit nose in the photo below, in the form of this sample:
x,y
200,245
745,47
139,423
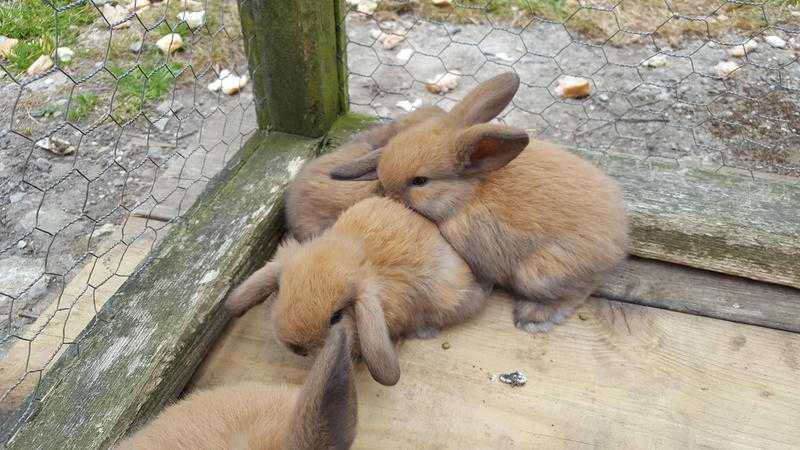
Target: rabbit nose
x,y
296,349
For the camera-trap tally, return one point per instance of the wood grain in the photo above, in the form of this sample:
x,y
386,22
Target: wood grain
x,y
616,376
679,288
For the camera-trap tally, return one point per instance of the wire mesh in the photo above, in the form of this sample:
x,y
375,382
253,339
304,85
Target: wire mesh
x,y
712,83
114,115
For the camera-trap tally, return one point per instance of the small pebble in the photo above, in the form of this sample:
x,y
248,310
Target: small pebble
x,y
407,106
170,43
194,19
7,45
742,50
64,54
445,345
42,164
443,83
725,68
21,244
514,379
404,55
655,61
775,41
40,66
573,87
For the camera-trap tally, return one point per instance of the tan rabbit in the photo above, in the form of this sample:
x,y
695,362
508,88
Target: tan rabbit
x,y
314,200
529,217
382,264
320,415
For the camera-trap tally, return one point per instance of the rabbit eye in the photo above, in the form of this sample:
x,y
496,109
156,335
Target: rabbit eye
x,y
419,181
336,317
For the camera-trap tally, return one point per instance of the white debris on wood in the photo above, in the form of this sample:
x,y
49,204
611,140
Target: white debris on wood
x,y
775,41
40,66
404,55
194,19
408,106
725,68
742,50
443,83
64,54
56,145
655,61
115,14
7,45
573,87
170,43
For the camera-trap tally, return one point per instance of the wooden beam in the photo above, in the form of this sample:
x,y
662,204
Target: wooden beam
x,y
147,340
684,289
296,62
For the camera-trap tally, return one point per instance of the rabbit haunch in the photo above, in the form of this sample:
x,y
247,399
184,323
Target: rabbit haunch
x,y
381,263
320,415
526,215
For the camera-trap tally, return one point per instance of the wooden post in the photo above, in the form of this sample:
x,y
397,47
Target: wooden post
x,y
296,54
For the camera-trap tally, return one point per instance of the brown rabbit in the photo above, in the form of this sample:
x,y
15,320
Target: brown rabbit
x,y
382,264
320,415
527,216
314,200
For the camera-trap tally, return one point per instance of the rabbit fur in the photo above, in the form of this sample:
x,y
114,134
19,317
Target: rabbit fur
x,y
527,216
322,414
382,264
314,200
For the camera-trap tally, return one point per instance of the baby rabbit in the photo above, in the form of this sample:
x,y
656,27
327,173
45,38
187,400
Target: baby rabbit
x,y
320,415
314,200
382,264
529,217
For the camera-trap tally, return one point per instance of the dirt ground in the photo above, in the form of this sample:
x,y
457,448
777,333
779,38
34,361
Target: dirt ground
x,y
57,211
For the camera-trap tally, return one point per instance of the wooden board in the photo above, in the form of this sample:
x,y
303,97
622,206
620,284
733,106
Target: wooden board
x,y
618,376
679,288
152,333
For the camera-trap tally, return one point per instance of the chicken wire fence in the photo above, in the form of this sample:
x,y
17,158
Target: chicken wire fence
x,y
115,115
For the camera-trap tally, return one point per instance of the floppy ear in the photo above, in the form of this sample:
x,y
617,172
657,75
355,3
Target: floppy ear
x,y
487,147
373,336
326,411
487,100
254,290
364,168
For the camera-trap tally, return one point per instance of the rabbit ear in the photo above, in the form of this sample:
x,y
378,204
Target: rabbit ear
x,y
325,414
487,100
373,335
364,168
254,290
487,147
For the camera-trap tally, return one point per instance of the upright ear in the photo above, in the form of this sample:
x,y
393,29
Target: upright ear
x,y
254,290
364,168
487,100
373,336
326,411
487,147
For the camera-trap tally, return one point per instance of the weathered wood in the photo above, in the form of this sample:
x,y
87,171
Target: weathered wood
x,y
684,289
294,55
725,222
615,376
149,337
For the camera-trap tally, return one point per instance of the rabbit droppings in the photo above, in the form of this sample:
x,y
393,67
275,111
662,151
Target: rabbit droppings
x,y
321,414
314,200
382,264
529,217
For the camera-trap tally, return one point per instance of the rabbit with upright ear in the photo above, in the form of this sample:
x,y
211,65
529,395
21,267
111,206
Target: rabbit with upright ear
x,y
530,217
322,414
314,200
380,263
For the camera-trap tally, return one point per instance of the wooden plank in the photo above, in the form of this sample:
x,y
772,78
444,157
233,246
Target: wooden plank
x,y
680,288
292,53
618,376
152,333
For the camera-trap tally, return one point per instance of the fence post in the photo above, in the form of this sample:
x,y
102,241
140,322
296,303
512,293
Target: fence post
x,y
296,63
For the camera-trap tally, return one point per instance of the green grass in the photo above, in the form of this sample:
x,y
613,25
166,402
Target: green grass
x,y
81,106
149,81
40,28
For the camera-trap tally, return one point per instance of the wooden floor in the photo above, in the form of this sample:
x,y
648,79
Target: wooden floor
x,y
617,375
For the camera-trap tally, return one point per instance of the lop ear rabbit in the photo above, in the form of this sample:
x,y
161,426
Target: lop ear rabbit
x,y
320,415
314,200
530,217
380,263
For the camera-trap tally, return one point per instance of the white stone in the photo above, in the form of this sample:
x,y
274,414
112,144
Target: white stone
x,y
655,61
725,68
56,145
107,228
573,87
443,83
115,14
40,66
170,43
232,84
366,6
21,244
775,41
138,5
408,106
404,55
741,50
194,19
64,54
7,45
441,3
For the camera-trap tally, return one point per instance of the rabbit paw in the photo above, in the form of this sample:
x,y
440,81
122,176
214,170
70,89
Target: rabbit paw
x,y
539,317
